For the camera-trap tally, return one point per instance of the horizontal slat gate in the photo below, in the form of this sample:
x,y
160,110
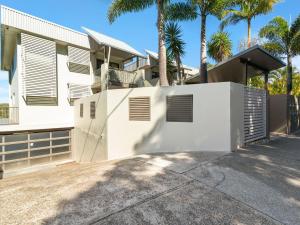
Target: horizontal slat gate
x,y
22,150
38,67
254,114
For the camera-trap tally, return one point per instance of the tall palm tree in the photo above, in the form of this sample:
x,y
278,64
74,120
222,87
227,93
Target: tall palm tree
x,y
119,7
247,10
175,45
283,40
219,46
193,9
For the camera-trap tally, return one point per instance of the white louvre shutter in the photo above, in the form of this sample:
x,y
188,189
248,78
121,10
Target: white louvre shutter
x,y
79,91
79,60
39,67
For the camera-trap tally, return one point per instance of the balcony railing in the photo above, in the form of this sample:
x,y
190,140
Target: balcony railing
x,y
135,66
9,115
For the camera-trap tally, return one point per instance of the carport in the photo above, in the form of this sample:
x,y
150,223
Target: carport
x,y
254,61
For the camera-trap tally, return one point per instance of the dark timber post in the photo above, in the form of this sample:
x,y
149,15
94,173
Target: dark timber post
x,y
266,73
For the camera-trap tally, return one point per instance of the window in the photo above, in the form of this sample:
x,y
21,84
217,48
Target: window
x,y
180,108
139,109
81,110
79,60
92,110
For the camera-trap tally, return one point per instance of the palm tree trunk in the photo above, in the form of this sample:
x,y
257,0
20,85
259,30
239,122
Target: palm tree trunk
x,y
178,69
289,75
249,32
203,62
162,54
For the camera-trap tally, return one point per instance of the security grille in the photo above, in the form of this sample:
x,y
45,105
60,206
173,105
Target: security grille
x,y
39,70
254,114
139,109
180,108
79,60
21,150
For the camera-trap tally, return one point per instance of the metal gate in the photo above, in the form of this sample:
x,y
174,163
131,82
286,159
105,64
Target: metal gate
x,y
20,150
255,114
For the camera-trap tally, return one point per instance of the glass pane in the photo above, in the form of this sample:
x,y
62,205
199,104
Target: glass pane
x,y
43,135
0,138
62,133
60,149
40,152
39,144
18,155
15,137
60,142
15,147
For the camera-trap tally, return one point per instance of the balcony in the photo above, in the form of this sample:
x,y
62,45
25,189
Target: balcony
x,y
9,115
116,79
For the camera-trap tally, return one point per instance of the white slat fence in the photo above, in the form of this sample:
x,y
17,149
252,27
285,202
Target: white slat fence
x,y
255,117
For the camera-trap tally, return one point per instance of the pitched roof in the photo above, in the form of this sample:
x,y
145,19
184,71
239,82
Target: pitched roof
x,y
103,39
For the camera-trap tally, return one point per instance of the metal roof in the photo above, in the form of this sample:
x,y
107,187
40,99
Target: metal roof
x,y
233,69
155,56
112,42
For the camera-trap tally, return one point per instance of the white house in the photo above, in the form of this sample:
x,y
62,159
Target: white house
x,y
49,67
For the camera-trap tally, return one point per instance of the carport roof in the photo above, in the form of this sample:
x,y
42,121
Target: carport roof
x,y
234,68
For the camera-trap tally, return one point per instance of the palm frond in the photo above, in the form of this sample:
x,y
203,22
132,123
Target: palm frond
x,y
118,7
181,11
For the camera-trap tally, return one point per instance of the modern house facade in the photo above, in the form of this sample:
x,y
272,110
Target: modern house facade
x,y
63,105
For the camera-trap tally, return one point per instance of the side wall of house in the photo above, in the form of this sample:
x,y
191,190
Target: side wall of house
x,y
33,117
210,130
90,134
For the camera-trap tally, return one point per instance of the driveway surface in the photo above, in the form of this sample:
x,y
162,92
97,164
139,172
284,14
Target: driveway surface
x,y
256,185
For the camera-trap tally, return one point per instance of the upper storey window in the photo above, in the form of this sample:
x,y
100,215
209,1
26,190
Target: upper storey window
x,y
79,60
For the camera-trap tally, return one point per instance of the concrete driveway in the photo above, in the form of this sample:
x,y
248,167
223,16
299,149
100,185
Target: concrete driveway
x,y
256,185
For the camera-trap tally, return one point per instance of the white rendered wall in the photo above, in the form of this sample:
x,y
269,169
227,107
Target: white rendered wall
x,y
210,130
47,117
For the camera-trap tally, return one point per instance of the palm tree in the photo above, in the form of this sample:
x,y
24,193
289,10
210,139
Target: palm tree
x,y
175,45
118,7
247,10
219,46
283,40
193,9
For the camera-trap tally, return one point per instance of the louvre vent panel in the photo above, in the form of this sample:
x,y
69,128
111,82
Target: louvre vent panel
x,y
38,68
79,60
79,91
139,109
180,108
254,114
93,110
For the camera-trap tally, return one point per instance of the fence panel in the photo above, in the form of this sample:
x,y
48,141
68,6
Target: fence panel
x,y
255,114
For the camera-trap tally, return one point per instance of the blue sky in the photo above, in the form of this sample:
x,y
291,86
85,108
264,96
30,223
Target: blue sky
x,y
137,29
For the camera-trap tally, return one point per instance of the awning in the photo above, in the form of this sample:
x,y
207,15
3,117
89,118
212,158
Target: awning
x,y
248,63
102,39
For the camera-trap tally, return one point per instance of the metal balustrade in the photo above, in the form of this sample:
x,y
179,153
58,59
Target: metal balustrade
x,y
21,150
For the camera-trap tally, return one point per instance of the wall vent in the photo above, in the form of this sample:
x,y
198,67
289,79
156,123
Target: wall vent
x,y
93,110
81,110
139,109
180,108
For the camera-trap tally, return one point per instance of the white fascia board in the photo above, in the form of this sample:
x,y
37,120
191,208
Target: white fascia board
x,y
28,23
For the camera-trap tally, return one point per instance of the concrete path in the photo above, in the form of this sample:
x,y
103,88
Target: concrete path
x,y
256,185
